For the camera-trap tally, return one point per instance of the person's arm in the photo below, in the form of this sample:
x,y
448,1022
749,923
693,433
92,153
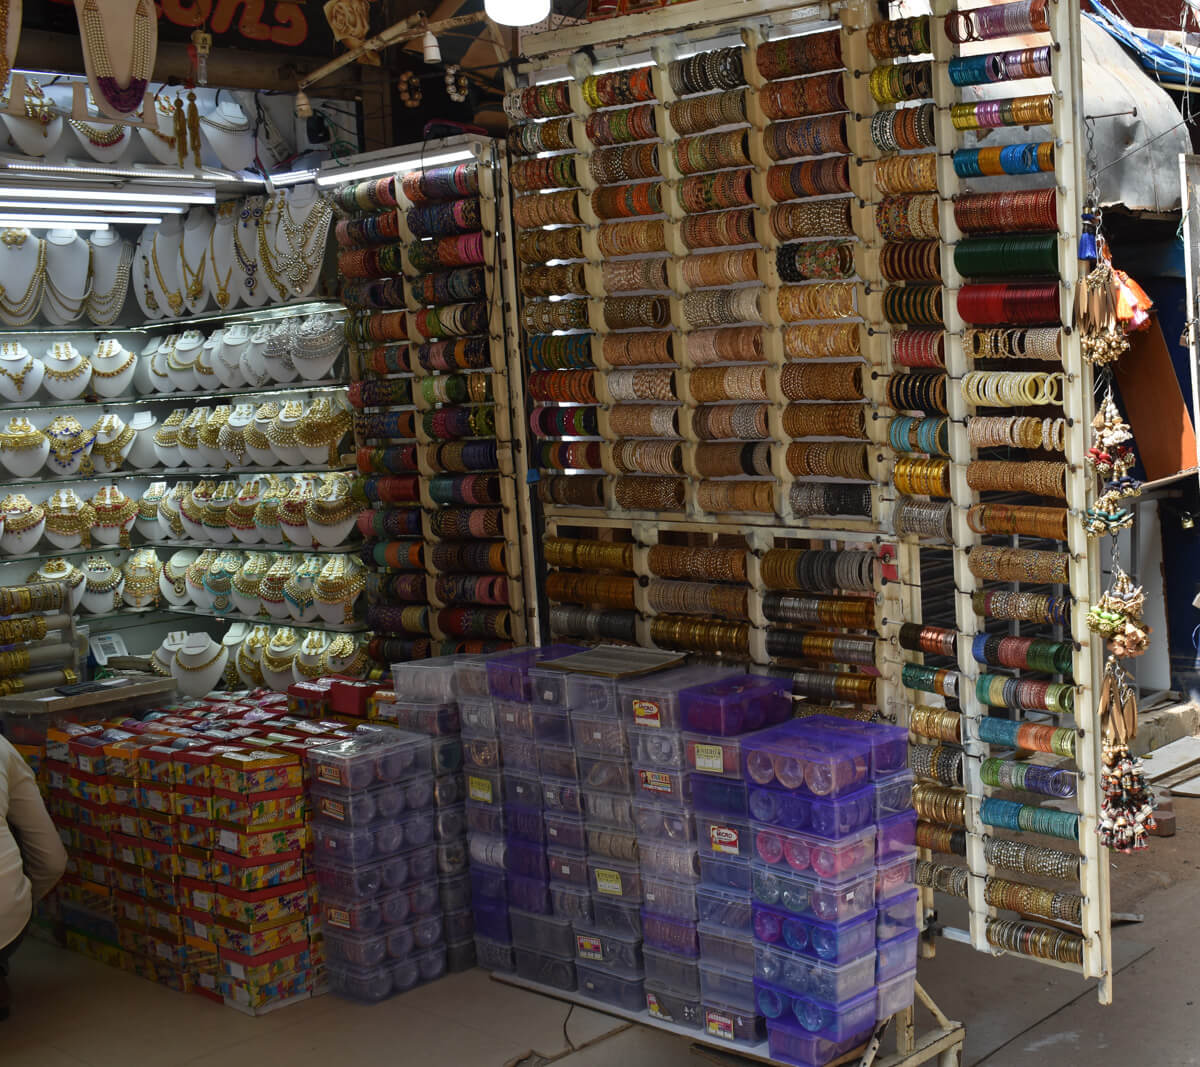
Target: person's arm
x,y
42,852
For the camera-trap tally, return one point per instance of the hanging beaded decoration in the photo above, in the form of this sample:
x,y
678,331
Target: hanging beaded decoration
x,y
145,34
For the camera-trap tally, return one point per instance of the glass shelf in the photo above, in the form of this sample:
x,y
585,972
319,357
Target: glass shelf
x,y
149,616
319,385
238,546
153,473
248,316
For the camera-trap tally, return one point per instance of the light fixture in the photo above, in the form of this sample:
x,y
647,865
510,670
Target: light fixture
x,y
293,177
50,222
429,44
107,209
516,12
336,175
135,194
304,108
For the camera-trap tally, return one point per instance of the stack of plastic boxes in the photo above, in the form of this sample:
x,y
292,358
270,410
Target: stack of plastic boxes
x,y
424,702
593,847
829,963
510,886
714,715
376,862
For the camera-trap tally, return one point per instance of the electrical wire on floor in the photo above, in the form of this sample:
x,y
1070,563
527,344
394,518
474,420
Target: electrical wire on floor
x,y
566,1036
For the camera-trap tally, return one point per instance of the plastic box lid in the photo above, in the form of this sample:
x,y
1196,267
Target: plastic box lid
x,y
383,756
508,673
653,700
794,756
425,679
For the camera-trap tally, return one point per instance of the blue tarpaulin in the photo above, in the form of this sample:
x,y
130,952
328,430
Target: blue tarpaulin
x,y
1166,62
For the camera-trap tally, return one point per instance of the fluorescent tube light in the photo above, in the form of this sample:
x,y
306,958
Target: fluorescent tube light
x,y
401,165
35,222
134,194
79,222
293,177
107,209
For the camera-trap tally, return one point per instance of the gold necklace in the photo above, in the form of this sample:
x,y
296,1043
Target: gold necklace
x,y
200,667
111,452
113,373
105,308
298,236
17,379
67,375
100,138
174,296
222,293
193,280
24,310
277,663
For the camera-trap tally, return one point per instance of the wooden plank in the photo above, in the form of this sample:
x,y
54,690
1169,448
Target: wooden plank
x,y
1172,758
49,702
1189,788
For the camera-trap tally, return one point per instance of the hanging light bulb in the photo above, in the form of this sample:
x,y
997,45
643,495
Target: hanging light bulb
x,y
433,53
516,12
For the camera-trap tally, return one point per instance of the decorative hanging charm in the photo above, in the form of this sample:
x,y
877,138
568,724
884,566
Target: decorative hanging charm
x,y
1127,803
456,83
1111,457
106,85
409,88
1109,305
1118,617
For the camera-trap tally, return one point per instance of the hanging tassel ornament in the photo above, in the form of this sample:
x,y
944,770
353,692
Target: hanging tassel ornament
x,y
1126,800
1108,305
1087,238
180,122
1118,617
193,121
1111,457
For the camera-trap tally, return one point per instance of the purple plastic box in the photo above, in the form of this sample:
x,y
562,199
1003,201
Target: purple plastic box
x,y
508,675
828,817
798,757
736,705
813,938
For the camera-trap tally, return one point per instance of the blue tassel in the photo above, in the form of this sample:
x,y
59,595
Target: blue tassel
x,y
1087,246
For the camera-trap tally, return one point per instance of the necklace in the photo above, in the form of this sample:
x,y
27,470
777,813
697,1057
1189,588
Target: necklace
x,y
23,311
174,296
222,293
251,216
299,236
266,255
200,666
157,665
228,126
105,308
193,280
37,107
113,373
111,452
68,375
5,68
71,305
141,63
17,379
278,662
100,136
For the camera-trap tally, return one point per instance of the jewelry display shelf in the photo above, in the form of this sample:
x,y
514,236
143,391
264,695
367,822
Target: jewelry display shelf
x,y
320,385
155,473
266,620
238,546
50,702
945,600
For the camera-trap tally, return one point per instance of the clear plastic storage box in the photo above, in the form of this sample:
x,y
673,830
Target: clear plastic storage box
x,y
616,916
571,901
494,955
481,753
470,676
794,757
664,787
526,858
613,844
729,908
525,824
659,822
425,679
829,817
522,790
789,1042
680,862
897,916
485,787
519,754
726,986
895,956
656,748
720,797
366,880
893,794
731,1024
551,726
488,851
449,824
460,955
736,705
514,718
666,896
454,892
488,883
674,1006
434,717
351,846
796,894
722,836
615,879
598,982
562,795
806,854
573,691
605,775
529,894
508,673
896,876
726,948
665,969
832,983
383,756
564,831
378,804
670,935
478,717
725,873
619,953
810,937
491,919
368,984
830,1022
557,761
653,700
889,744
355,950
615,810
895,995
542,933
544,968
711,754
568,865
896,837
598,735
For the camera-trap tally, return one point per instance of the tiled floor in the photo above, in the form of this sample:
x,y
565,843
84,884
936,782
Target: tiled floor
x,y
71,1012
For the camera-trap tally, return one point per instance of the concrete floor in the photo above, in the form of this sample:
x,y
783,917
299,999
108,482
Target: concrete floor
x,y
72,1012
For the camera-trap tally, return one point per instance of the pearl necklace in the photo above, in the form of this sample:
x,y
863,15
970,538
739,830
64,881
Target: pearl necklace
x,y
141,63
